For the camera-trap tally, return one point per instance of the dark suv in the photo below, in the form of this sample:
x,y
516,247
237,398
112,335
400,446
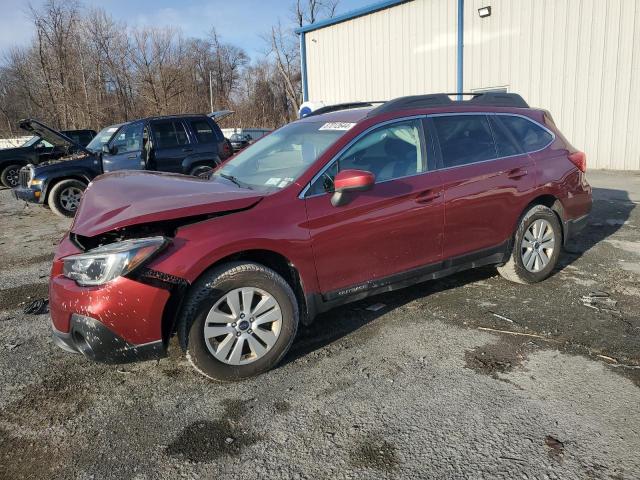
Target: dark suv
x,y
46,144
188,144
332,208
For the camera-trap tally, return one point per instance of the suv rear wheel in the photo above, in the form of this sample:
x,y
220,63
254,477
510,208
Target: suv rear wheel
x,y
238,321
536,247
65,196
10,175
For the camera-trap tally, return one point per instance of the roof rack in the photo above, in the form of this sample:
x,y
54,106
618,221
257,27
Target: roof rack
x,y
495,99
342,106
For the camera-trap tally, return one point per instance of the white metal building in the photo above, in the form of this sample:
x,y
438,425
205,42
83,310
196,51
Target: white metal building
x,y
580,59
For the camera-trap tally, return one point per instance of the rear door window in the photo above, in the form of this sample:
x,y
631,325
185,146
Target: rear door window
x,y
505,145
169,134
532,137
464,139
203,131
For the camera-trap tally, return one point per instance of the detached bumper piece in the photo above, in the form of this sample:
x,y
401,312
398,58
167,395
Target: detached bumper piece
x,y
27,194
95,341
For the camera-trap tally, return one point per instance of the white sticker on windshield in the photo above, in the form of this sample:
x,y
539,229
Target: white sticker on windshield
x,y
273,181
337,126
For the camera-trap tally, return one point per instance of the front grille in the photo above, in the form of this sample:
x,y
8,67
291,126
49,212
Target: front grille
x,y
25,176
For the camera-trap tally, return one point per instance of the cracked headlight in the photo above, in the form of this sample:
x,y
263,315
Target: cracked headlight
x,y
101,265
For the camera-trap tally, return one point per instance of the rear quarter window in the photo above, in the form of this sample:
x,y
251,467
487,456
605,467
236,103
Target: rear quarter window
x,y
532,137
464,139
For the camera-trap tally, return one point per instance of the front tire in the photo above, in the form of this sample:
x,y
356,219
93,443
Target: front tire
x,y
10,175
238,321
536,247
65,196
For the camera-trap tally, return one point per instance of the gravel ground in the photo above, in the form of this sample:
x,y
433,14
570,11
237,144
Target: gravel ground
x,y
433,385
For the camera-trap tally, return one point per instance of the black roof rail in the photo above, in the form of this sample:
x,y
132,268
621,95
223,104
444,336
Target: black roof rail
x,y
342,106
495,99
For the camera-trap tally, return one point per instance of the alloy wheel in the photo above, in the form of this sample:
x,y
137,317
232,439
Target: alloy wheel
x,y
13,176
537,245
243,326
70,198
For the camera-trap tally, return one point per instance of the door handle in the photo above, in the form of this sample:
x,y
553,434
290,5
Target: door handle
x,y
517,173
428,196
187,149
131,157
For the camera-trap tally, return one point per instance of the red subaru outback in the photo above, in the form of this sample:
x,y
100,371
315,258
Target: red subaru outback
x,y
345,203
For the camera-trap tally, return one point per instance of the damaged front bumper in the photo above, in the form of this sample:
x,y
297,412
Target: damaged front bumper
x,y
91,338
28,194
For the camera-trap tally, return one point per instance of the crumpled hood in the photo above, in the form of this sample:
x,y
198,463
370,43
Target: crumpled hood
x,y
126,198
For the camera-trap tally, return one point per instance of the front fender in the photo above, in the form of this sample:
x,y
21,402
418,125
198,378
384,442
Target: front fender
x,y
273,225
51,179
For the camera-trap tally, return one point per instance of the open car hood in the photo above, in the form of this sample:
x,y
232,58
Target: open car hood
x,y
126,198
220,114
52,136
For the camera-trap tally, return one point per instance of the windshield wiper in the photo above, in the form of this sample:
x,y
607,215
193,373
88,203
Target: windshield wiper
x,y
233,179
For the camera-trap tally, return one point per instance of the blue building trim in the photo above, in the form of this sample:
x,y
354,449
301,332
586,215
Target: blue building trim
x,y
360,12
460,60
303,68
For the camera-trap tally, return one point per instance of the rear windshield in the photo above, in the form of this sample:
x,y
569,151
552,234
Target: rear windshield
x,y
279,159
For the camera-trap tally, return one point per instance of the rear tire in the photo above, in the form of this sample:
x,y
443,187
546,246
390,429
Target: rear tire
x,y
201,170
536,247
10,175
64,198
238,321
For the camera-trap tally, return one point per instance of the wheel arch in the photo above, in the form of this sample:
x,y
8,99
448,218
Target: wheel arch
x,y
52,183
268,258
552,202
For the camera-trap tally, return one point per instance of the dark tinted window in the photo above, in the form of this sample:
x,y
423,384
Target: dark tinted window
x,y
169,133
531,135
203,131
464,139
504,144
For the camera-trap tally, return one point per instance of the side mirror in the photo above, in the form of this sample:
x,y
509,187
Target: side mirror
x,y
350,181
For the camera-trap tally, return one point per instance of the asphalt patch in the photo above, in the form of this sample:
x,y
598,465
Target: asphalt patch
x,y
14,297
495,358
8,262
206,440
15,453
374,452
282,406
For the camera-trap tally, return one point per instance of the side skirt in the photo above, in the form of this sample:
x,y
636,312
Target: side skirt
x,y
491,256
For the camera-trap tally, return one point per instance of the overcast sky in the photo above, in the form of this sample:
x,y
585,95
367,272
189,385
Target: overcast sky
x,y
240,22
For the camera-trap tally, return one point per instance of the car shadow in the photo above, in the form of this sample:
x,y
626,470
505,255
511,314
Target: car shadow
x,y
611,209
344,320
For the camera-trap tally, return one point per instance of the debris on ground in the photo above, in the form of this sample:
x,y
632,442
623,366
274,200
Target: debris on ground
x,y
37,307
600,301
375,307
12,345
509,332
501,317
556,447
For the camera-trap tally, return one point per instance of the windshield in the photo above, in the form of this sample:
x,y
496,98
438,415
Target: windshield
x,y
35,139
279,159
102,138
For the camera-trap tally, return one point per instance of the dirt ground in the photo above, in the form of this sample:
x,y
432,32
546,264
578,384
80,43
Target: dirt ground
x,y
467,377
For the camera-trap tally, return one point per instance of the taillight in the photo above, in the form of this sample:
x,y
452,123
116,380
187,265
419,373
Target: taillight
x,y
579,159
